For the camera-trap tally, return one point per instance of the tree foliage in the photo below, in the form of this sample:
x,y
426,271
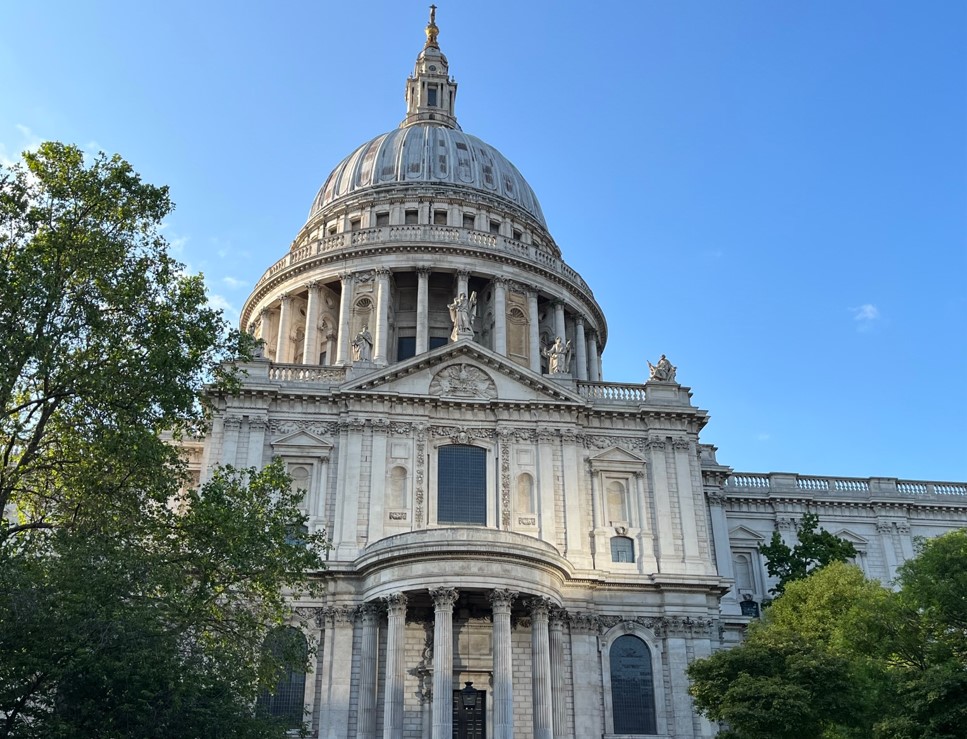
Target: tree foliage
x,y
122,614
814,549
838,655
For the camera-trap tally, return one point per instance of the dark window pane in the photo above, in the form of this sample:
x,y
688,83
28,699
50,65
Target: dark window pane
x,y
287,700
632,687
437,341
431,97
462,484
405,347
622,549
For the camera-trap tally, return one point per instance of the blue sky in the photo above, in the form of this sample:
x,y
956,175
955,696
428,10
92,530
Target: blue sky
x,y
772,194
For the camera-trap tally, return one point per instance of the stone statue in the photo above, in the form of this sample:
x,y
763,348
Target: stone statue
x,y
363,346
558,356
664,371
463,311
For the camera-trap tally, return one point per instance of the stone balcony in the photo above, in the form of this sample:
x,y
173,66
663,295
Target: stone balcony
x,y
485,242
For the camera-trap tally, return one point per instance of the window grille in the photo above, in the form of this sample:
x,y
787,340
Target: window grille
x,y
622,549
286,702
632,687
462,484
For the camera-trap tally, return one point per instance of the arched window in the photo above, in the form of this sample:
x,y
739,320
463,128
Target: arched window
x,y
525,493
300,478
742,565
286,702
622,549
462,484
632,687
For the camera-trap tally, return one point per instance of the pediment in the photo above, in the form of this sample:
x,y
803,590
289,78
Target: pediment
x,y
616,454
463,371
301,442
745,534
855,539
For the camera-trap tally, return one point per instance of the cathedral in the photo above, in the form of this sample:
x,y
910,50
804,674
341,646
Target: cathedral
x,y
519,546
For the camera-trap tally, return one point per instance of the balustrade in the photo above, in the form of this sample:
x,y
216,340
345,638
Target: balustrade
x,y
612,391
782,482
306,373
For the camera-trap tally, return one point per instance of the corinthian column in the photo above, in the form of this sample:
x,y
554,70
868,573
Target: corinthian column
x,y
501,601
283,351
580,348
593,366
382,316
559,326
534,331
310,353
345,319
500,316
558,704
422,309
395,666
541,669
443,599
366,725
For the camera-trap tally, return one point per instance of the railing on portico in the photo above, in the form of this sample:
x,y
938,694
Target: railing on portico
x,y
781,482
323,375
426,233
617,392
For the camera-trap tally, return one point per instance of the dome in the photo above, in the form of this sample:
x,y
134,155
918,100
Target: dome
x,y
427,153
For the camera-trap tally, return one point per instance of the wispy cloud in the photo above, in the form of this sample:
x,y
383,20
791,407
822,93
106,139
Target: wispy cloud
x,y
763,437
29,141
234,282
220,302
865,316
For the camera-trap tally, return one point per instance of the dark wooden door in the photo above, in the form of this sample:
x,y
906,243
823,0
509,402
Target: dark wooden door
x,y
470,723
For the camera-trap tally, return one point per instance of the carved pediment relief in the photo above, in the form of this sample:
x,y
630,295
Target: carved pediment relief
x,y
463,381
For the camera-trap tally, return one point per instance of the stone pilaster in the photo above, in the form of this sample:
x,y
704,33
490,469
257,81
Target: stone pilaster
x,y
256,441
501,600
586,682
395,666
366,722
230,428
283,351
443,600
541,669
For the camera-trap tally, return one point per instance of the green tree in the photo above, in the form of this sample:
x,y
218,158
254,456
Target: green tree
x,y
838,656
814,549
122,614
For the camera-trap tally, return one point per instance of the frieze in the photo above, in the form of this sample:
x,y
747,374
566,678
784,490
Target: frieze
x,y
462,434
545,434
381,424
655,443
524,435
505,477
232,423
463,381
284,427
400,428
257,423
681,444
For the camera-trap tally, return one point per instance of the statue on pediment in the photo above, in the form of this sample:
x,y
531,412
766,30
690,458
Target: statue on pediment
x,y
363,346
463,311
558,356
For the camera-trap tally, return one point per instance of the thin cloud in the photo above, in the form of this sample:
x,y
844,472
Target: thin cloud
x,y
220,302
233,282
865,316
29,141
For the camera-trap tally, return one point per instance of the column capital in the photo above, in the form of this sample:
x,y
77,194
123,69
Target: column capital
x,y
285,297
501,598
312,285
346,277
424,271
369,612
463,273
539,607
579,319
382,272
502,281
558,617
444,598
396,604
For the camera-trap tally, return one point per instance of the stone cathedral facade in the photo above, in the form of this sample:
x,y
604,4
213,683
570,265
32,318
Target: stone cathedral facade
x,y
500,515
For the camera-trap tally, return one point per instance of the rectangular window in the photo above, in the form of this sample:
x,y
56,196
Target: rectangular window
x,y
411,217
431,97
354,224
437,341
439,218
462,485
517,235
495,227
405,347
382,219
468,220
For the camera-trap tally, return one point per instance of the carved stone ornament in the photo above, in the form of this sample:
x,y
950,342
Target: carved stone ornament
x,y
397,515
395,604
664,371
444,598
463,381
680,444
284,427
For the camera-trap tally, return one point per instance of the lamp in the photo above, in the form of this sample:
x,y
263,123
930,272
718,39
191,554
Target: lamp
x,y
469,696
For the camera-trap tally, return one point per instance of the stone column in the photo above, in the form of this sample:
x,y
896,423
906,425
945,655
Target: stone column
x,y
534,328
283,351
345,319
310,354
381,339
558,702
559,327
586,682
580,348
541,670
593,366
340,676
331,348
723,552
422,310
230,428
500,316
395,666
501,601
366,722
463,280
443,600
256,441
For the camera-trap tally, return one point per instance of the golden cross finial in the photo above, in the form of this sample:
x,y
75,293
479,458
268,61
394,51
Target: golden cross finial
x,y
431,30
